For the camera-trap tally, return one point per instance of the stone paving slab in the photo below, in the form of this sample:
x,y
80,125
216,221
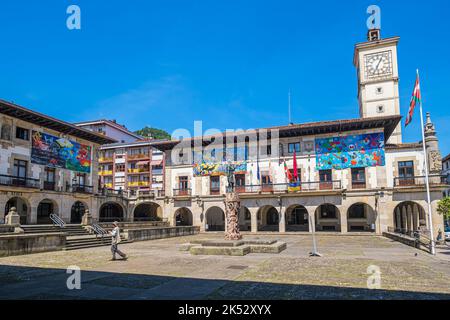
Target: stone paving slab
x,y
159,270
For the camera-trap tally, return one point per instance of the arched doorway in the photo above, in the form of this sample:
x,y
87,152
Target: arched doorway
x,y
409,216
327,218
269,219
183,217
361,217
215,219
297,218
110,212
21,206
45,208
148,211
245,219
77,212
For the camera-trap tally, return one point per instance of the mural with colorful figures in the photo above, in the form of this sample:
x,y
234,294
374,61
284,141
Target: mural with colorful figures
x,y
212,163
354,151
60,153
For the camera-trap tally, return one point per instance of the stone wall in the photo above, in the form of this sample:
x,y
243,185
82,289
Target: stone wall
x,y
18,244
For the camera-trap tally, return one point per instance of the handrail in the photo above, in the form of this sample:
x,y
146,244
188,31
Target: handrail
x,y
57,220
99,230
434,179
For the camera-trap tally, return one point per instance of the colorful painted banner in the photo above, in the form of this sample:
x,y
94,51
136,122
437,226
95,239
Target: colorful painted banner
x,y
60,153
355,151
213,164
217,169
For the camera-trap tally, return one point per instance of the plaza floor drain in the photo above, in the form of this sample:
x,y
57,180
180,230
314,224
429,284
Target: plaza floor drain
x,y
237,267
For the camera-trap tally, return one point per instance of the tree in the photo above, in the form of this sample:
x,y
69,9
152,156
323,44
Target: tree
x,y
154,133
444,208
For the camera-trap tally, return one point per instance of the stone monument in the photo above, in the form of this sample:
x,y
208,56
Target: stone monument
x,y
13,219
232,207
86,220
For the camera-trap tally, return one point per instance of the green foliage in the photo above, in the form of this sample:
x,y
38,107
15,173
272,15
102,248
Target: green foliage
x,y
154,133
444,208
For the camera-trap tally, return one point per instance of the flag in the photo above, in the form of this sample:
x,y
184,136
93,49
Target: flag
x,y
415,100
295,167
287,172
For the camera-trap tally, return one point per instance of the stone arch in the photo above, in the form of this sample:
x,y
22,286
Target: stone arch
x,y
111,211
409,216
245,219
269,218
297,218
328,218
147,211
77,211
45,208
361,217
23,208
183,217
215,219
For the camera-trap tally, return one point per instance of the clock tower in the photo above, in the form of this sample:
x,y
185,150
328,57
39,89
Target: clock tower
x,y
377,67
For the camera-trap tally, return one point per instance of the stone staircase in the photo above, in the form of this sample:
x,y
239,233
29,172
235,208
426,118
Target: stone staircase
x,y
89,241
70,229
77,236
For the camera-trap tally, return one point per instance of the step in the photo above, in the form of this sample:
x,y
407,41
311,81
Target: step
x,y
91,245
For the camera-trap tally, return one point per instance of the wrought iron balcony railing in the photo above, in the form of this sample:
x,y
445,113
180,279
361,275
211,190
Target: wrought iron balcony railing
x,y
415,181
14,181
285,187
80,188
182,192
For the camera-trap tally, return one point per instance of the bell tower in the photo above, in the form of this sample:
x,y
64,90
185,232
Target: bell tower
x,y
377,69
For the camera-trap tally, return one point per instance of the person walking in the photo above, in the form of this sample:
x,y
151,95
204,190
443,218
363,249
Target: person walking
x,y
115,240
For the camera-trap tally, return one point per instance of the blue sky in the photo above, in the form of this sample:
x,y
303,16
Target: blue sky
x,y
228,63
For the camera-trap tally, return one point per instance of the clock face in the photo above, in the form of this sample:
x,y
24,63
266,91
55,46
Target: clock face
x,y
378,64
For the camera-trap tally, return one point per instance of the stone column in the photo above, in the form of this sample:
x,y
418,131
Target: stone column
x,y
282,222
409,215
311,219
254,220
404,218
433,152
343,219
398,219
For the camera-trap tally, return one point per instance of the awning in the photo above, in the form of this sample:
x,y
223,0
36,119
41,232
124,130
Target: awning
x,y
142,163
156,162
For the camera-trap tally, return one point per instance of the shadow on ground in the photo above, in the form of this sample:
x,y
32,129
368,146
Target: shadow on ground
x,y
44,283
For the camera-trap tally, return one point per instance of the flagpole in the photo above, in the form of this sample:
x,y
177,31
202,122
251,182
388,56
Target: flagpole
x,y
427,182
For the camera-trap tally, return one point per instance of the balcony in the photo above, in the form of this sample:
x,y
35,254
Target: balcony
x,y
420,181
138,171
14,181
359,185
284,187
182,192
214,191
138,156
80,188
105,159
105,173
50,186
157,171
139,184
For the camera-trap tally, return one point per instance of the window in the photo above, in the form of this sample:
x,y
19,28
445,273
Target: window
x,y
326,179
20,168
266,182
358,178
215,185
299,174
380,109
49,178
269,150
240,182
183,183
120,167
379,90
22,133
294,146
406,173
6,132
81,179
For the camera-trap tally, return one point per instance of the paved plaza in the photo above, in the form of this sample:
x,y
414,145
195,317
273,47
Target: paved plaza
x,y
159,270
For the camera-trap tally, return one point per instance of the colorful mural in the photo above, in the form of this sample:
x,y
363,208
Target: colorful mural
x,y
60,153
213,164
355,151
